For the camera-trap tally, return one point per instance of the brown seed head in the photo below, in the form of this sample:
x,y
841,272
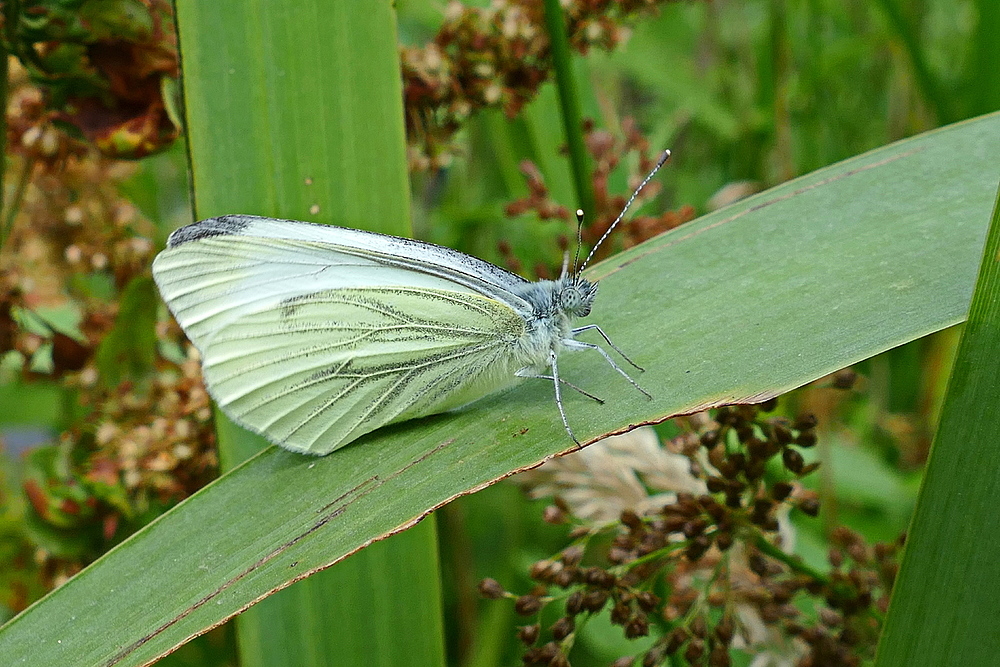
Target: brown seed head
x,y
620,613
526,605
653,657
699,627
528,634
781,490
572,555
793,460
574,603
550,651
543,570
560,660
809,506
805,422
697,548
565,577
553,515
782,434
637,626
830,618
845,379
695,527
806,439
677,637
647,601
595,576
594,601
724,629
632,520
719,657
694,651
562,628
491,589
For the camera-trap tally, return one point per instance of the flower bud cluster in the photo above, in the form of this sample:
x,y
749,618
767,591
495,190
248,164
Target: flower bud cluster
x,y
694,570
607,153
495,57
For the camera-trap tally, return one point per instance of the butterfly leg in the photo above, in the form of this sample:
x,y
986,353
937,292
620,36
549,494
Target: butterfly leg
x,y
608,341
580,345
562,412
527,373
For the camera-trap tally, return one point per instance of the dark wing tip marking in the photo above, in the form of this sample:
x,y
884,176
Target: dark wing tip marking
x,y
222,226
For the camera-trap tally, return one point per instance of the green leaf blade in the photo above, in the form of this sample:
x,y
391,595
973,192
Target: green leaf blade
x,y
295,111
940,608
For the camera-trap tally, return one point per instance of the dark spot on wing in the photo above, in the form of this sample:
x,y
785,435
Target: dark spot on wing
x,y
221,226
290,306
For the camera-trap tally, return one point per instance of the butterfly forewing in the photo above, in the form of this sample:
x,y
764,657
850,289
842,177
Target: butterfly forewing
x,y
313,346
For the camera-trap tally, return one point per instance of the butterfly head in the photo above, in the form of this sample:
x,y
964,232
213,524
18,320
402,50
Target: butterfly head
x,y
576,296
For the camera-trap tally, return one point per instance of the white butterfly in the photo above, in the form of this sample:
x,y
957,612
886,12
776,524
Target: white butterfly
x,y
314,335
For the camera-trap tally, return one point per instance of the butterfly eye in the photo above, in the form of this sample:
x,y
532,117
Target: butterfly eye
x,y
576,299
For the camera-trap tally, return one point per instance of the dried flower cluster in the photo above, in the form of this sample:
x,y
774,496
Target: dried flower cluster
x,y
67,221
142,450
157,441
100,70
698,552
494,57
77,306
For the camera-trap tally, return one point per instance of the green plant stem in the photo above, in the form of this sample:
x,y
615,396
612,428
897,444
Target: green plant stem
x,y
10,44
780,57
14,205
24,52
568,643
651,556
985,59
3,135
569,104
927,82
792,561
4,91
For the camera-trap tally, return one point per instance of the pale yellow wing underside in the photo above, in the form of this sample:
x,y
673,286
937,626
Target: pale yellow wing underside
x,y
313,369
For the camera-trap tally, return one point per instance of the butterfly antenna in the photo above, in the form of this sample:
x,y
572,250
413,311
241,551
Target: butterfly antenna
x,y
579,241
659,163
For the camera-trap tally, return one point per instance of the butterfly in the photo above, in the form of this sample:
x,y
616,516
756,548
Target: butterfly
x,y
313,335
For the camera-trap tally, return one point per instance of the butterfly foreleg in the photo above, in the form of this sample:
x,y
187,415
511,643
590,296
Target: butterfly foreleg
x,y
555,381
528,372
580,345
608,341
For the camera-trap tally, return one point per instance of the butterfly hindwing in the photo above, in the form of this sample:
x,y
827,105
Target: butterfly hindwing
x,y
333,365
